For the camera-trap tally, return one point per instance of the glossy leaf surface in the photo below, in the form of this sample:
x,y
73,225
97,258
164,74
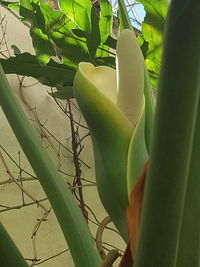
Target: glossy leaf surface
x,y
26,64
152,33
31,12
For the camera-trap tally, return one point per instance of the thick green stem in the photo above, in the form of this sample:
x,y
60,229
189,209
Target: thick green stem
x,y
189,244
125,22
172,140
9,254
79,239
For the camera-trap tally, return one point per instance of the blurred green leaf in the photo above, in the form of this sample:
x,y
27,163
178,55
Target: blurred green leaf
x,y
26,64
106,18
111,42
152,33
94,39
165,217
12,5
79,33
63,92
15,50
188,252
105,61
103,51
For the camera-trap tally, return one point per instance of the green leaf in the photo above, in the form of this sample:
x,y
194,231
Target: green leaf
x,y
42,45
94,39
103,51
31,12
79,12
106,19
152,33
70,218
62,31
105,61
189,243
16,50
172,142
26,64
79,33
12,5
9,254
64,92
111,42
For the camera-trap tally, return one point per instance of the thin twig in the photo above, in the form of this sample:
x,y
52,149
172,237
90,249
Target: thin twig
x,y
21,206
99,235
77,180
18,184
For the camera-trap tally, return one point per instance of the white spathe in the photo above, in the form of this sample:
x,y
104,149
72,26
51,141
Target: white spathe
x,y
125,85
103,77
130,75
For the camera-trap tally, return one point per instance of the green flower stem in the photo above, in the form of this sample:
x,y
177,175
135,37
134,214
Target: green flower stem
x,y
172,141
189,244
71,220
125,22
149,108
9,254
137,154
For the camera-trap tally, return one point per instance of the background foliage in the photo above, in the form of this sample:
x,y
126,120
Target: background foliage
x,y
62,39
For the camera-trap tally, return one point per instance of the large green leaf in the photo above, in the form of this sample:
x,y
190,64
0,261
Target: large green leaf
x,y
152,32
54,30
94,38
84,17
26,64
78,11
62,30
105,27
106,18
189,243
168,174
31,12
